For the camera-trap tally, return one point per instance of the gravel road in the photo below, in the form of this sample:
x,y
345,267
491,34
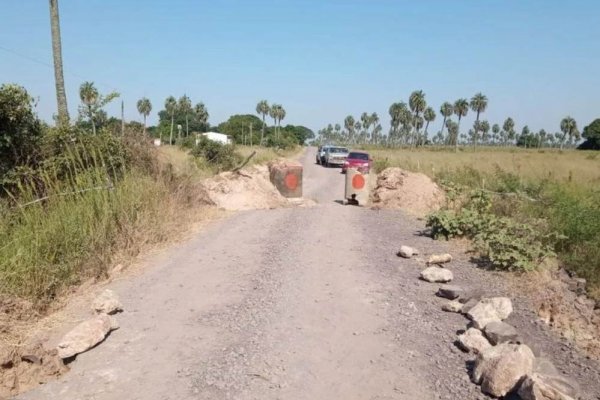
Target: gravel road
x,y
295,303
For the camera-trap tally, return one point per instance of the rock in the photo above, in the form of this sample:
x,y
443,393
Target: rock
x,y
540,387
439,259
452,306
503,306
482,314
107,303
577,285
500,332
473,341
7,354
437,274
468,305
500,368
545,367
450,292
406,252
85,336
33,353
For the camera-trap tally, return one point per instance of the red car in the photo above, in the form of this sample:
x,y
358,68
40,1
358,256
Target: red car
x,y
359,160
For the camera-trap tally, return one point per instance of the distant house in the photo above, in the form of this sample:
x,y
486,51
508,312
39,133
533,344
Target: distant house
x,y
215,137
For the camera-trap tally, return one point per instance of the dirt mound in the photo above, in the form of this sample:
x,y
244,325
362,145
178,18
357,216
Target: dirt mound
x,y
413,192
249,189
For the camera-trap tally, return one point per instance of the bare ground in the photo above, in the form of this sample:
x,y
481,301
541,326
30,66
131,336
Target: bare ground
x,y
296,304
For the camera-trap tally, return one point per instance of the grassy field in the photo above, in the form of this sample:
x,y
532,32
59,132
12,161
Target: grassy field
x,y
557,191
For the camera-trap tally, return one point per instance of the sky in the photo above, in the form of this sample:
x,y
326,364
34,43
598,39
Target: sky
x,y
536,61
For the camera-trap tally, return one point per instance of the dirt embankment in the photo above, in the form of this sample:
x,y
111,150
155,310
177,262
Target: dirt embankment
x,y
413,192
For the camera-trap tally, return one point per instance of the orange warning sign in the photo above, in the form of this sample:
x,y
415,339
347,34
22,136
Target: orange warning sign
x,y
358,181
291,181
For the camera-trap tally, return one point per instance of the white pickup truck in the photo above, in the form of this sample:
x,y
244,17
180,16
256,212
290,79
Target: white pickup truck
x,y
335,156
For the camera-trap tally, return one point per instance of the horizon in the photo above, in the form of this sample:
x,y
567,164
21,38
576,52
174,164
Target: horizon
x,y
535,62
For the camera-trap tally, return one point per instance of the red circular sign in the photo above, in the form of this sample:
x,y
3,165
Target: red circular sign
x,y
291,181
358,181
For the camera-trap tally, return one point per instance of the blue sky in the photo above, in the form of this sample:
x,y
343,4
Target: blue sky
x,y
537,61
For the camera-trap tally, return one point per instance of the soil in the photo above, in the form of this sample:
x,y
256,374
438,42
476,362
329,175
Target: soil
x,y
297,303
412,192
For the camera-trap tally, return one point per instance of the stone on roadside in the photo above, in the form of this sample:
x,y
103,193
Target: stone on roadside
x,y
542,387
437,274
450,292
452,306
500,332
86,335
468,305
473,341
107,303
482,314
406,252
7,354
499,369
503,306
33,353
439,259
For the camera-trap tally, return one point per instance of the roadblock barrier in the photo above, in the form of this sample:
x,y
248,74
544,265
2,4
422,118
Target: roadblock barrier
x,y
357,187
286,176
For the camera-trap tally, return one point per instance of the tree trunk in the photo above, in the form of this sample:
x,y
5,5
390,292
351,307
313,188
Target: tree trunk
x,y
457,135
91,114
61,96
262,133
172,122
144,124
443,124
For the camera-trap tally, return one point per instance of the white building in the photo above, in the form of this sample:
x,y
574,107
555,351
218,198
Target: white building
x,y
214,136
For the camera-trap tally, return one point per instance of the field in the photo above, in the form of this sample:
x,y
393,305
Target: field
x,y
557,192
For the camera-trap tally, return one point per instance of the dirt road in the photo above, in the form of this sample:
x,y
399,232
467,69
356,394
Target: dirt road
x,y
291,304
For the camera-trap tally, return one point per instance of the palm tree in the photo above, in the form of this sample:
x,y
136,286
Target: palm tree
x,y
508,129
89,97
184,106
280,117
277,112
568,127
446,110
144,107
478,105
59,79
262,108
171,108
429,116
461,108
495,131
484,127
417,105
201,114
349,125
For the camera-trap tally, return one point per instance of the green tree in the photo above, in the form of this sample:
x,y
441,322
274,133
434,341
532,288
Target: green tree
x,y
446,110
484,128
478,104
452,132
568,127
461,108
277,112
592,135
59,80
349,124
93,102
542,134
496,132
184,106
237,125
144,107
508,129
417,105
429,116
20,129
171,108
200,117
263,109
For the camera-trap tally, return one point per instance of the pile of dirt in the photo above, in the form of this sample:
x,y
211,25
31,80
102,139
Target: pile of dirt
x,y
413,192
250,189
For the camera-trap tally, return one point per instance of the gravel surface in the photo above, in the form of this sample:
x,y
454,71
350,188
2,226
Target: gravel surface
x,y
295,303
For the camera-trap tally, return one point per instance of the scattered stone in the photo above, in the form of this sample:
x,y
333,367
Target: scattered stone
x,y
541,387
473,341
577,285
500,368
437,274
439,259
545,367
406,252
86,335
468,305
452,306
482,314
500,332
107,303
450,292
34,353
503,306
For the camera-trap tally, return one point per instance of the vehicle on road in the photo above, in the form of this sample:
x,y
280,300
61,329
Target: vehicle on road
x,y
359,160
335,156
321,153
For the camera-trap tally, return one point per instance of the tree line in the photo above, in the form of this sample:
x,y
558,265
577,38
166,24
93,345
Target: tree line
x,y
410,123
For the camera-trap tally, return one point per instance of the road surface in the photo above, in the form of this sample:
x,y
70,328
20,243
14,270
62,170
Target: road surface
x,y
294,303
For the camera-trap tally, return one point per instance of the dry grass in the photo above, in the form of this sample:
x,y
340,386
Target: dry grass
x,y
266,154
560,166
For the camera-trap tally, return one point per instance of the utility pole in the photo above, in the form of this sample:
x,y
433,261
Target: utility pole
x,y
250,134
122,118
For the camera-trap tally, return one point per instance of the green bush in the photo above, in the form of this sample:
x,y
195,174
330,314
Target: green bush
x,y
381,164
222,157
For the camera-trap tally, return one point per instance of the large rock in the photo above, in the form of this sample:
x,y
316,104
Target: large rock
x,y
439,259
503,306
450,292
500,332
468,305
482,314
541,387
86,335
107,303
407,252
499,369
473,341
437,274
452,306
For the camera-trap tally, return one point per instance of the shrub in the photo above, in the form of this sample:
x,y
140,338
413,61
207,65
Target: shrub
x,y
222,157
